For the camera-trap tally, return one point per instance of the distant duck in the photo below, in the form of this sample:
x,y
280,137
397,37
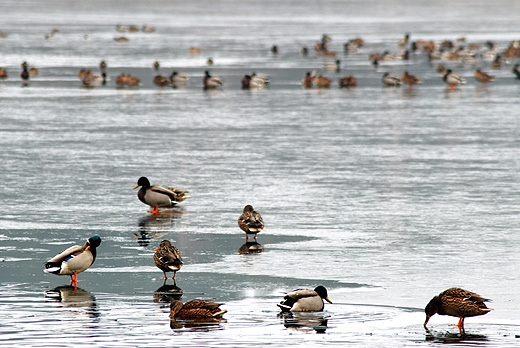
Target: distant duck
x,y
195,50
168,259
483,77
322,81
25,72
248,83
209,61
307,81
305,300
390,80
162,81
148,28
409,80
260,78
274,49
121,39
404,41
3,73
211,82
178,79
336,65
456,302
516,70
89,79
103,66
74,260
157,196
156,65
250,221
196,309
453,79
441,69
305,51
347,81
129,80
497,62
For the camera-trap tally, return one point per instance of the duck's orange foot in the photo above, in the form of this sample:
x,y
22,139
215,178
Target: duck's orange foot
x,y
452,87
154,211
74,280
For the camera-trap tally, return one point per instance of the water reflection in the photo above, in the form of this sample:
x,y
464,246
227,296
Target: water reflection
x,y
251,248
71,298
305,321
167,294
206,324
155,226
452,337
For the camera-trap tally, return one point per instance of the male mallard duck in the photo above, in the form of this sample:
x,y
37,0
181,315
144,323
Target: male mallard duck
x,y
336,65
178,79
453,79
25,72
483,77
516,70
196,309
305,300
157,196
168,259
390,80
456,302
128,80
249,83
347,81
161,81
409,80
74,260
250,221
210,82
89,79
322,81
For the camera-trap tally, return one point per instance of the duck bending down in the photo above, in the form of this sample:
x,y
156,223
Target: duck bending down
x,y
305,300
250,221
74,260
168,259
157,196
456,302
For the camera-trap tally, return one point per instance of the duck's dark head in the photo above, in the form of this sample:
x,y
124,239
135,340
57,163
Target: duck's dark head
x,y
431,308
320,290
94,241
175,307
143,182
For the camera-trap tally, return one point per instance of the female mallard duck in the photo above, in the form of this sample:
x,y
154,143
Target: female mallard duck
x,y
390,80
305,300
211,82
322,81
74,260
483,77
347,81
453,79
409,80
157,196
162,81
307,81
456,302
128,80
250,221
3,73
196,309
168,259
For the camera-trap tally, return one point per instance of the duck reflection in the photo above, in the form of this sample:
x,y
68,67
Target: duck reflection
x,y
74,299
155,226
304,321
167,294
251,248
453,337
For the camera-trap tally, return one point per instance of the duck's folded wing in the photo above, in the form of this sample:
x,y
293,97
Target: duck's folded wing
x,y
301,293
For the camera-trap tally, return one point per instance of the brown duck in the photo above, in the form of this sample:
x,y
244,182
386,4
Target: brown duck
x,y
168,259
250,221
196,309
456,302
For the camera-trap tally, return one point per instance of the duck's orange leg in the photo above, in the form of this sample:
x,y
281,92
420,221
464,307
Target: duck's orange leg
x,y
74,280
154,211
452,87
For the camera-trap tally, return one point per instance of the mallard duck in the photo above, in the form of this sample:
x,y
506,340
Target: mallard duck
x,y
307,81
516,70
347,81
456,302
156,65
196,309
250,221
74,260
161,81
195,50
89,79
404,41
121,39
390,80
178,79
25,72
211,82
157,196
409,80
322,81
168,259
103,66
305,300
483,77
453,79
335,65
128,80
148,28
3,73
249,83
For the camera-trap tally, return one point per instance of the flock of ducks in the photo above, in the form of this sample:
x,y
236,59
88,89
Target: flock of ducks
x,y
454,302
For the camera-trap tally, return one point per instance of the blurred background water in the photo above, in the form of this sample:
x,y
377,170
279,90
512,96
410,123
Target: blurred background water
x,y
386,196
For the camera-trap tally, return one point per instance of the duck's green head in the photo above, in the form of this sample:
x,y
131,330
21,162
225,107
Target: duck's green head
x,y
94,241
320,290
143,182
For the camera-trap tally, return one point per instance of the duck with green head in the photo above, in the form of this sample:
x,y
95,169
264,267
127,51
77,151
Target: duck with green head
x,y
157,196
305,300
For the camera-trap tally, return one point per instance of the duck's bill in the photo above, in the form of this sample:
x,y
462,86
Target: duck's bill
x,y
328,299
136,186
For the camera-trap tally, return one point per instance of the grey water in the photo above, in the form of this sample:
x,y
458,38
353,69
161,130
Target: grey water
x,y
386,196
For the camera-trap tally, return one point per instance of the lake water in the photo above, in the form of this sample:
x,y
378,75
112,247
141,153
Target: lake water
x,y
386,196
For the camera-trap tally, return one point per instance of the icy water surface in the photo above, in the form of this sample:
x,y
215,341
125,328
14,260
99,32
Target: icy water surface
x,y
386,196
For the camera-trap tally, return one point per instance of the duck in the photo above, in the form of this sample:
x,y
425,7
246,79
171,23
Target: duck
x,y
516,70
335,65
249,83
347,81
103,66
161,81
250,221
157,196
390,80
260,78
74,260
456,302
3,73
128,80
211,82
307,81
196,309
156,65
168,259
305,300
89,79
453,79
483,77
409,80
322,81
178,79
195,50
25,73
404,41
